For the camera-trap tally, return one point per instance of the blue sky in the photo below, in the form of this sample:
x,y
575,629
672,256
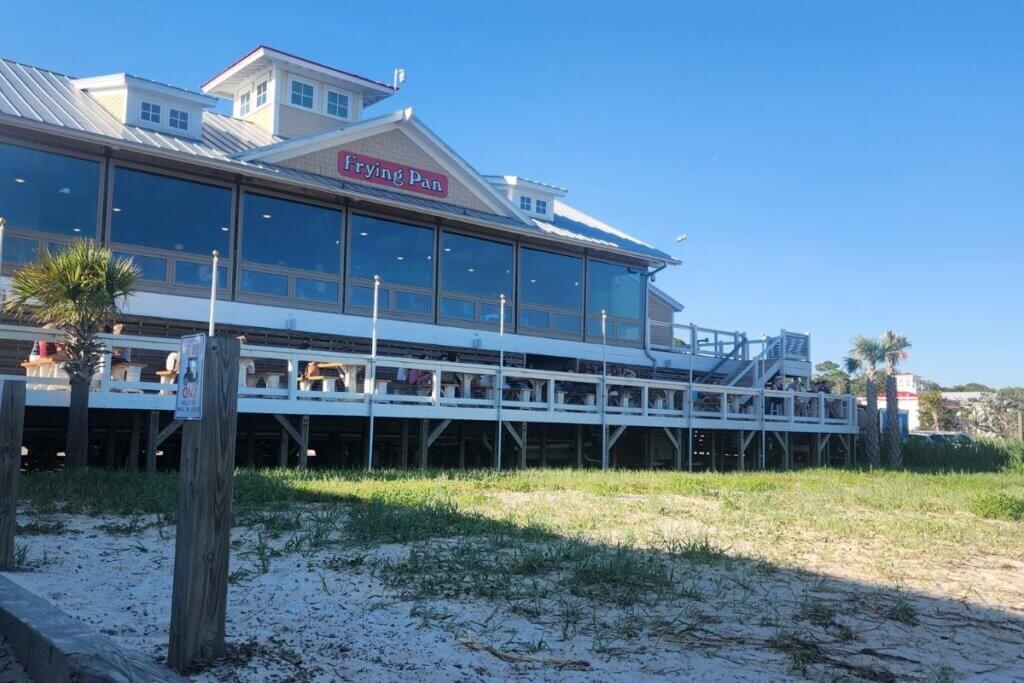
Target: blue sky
x,y
840,168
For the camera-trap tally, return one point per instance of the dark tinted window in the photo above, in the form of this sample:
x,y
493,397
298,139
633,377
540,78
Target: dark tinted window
x,y
552,280
401,254
161,212
476,267
48,192
279,232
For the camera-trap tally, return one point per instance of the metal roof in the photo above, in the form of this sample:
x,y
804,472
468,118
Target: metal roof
x,y
46,97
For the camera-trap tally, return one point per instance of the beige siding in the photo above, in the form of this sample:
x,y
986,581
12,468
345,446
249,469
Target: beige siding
x,y
112,102
292,122
659,311
393,146
262,117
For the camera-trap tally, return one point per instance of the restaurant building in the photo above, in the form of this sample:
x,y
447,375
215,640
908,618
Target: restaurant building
x,y
308,190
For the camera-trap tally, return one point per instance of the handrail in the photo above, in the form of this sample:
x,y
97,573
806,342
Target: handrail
x,y
554,392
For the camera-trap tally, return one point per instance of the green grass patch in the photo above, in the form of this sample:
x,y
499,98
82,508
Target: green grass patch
x,y
999,506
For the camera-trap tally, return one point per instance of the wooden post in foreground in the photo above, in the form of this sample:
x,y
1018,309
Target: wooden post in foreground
x,y
202,546
12,420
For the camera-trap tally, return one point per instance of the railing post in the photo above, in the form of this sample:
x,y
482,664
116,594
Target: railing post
x,y
551,395
821,407
435,388
293,377
106,369
644,398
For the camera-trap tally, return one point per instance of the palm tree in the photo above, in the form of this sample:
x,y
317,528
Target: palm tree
x,y
895,347
865,356
78,291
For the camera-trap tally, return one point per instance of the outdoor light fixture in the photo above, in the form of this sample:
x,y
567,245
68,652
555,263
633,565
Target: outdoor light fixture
x,y
19,180
267,216
363,234
400,258
223,228
117,209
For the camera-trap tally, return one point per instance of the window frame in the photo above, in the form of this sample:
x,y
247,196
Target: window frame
x,y
390,312
168,286
44,238
510,297
266,93
291,81
551,332
171,111
525,203
348,103
159,112
538,204
616,320
291,273
244,103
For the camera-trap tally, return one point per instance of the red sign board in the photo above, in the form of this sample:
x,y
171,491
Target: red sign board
x,y
400,176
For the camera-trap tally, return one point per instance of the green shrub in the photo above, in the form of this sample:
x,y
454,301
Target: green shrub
x,y
985,455
999,506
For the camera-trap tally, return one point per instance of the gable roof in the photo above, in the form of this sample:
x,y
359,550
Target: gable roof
x,y
407,123
43,100
664,296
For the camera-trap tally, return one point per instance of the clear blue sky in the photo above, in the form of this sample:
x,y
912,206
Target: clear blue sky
x,y
816,153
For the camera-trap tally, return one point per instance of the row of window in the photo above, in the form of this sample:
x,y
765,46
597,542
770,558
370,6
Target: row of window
x,y
245,99
303,94
529,204
151,112
298,253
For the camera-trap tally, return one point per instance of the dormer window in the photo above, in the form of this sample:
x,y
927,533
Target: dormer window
x,y
337,104
244,103
302,94
524,203
178,119
261,94
150,112
542,207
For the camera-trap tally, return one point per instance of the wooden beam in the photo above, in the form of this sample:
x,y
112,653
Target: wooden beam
x,y
287,424
405,445
203,541
166,432
579,446
616,433
424,443
462,445
151,443
523,446
544,440
437,431
12,422
250,444
282,450
304,442
132,462
515,435
110,447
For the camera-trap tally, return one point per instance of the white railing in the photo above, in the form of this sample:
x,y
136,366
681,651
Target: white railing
x,y
700,341
284,380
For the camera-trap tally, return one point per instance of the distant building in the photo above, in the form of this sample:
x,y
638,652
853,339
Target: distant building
x,y
909,387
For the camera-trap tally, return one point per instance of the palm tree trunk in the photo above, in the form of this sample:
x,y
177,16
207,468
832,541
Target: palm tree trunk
x,y
871,445
893,433
76,452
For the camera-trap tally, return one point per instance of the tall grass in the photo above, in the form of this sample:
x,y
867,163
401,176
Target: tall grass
x,y
985,455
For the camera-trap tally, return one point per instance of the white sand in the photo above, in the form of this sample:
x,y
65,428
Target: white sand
x,y
306,622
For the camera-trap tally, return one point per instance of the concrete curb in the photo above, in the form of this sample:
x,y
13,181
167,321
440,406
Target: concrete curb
x,y
57,647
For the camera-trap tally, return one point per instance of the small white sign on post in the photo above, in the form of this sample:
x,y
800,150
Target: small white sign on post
x,y
189,403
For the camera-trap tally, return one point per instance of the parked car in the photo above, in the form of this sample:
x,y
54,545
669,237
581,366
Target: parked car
x,y
951,438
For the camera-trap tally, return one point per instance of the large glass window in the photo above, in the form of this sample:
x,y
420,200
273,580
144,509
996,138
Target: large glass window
x,y
550,293
45,194
290,236
176,224
619,290
474,274
402,255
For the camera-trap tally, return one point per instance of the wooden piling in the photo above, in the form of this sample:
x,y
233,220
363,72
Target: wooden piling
x,y
12,421
131,463
202,544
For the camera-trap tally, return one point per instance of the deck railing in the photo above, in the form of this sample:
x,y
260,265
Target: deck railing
x,y
275,379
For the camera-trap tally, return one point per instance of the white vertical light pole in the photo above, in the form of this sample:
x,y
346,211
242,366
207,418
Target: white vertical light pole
x,y
604,389
213,289
500,383
373,371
